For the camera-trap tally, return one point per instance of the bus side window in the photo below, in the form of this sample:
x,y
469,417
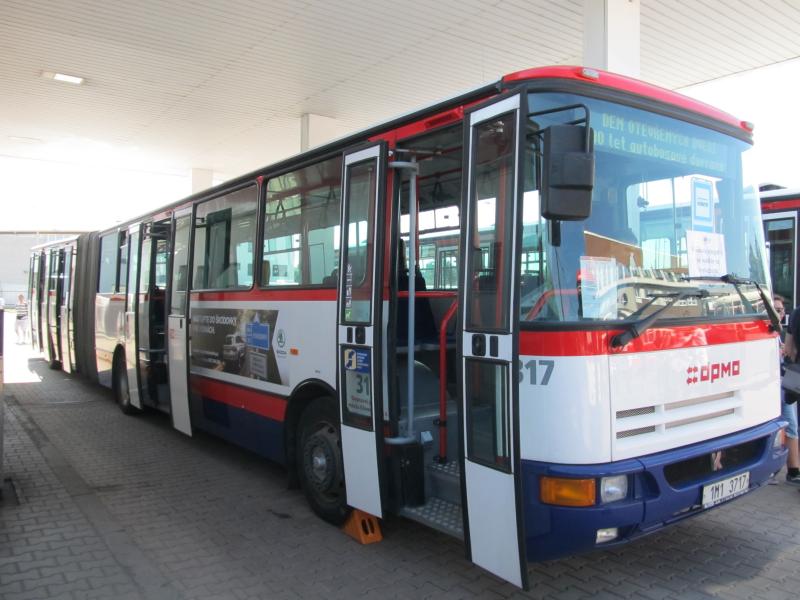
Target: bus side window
x,y
108,263
301,227
225,229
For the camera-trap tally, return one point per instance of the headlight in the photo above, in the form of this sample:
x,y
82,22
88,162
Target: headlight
x,y
613,488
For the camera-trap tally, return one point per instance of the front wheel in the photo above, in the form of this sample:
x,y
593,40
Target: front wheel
x,y
319,456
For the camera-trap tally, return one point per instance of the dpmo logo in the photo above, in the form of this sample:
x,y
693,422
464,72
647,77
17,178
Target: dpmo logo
x,y
712,372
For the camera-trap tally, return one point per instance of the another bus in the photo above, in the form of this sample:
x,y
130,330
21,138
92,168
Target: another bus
x,y
534,317
780,210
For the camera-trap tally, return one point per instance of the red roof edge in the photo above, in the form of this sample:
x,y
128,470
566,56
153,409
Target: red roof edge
x,y
627,84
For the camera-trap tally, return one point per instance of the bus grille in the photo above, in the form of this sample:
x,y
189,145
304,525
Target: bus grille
x,y
674,416
700,467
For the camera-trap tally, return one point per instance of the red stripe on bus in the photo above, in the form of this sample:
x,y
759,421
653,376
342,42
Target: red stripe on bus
x,y
591,343
299,295
260,403
429,294
780,204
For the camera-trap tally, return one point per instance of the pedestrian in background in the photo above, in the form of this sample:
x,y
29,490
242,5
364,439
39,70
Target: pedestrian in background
x,y
788,399
21,322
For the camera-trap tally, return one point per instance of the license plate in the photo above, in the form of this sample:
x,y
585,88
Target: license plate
x,y
726,489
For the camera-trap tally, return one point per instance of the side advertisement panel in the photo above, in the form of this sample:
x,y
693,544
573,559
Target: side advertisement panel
x,y
240,342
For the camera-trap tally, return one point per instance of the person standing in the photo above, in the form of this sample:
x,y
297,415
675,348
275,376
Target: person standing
x,y
789,409
21,322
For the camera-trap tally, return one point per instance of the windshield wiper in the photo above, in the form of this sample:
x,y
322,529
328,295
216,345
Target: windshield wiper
x,y
637,328
736,281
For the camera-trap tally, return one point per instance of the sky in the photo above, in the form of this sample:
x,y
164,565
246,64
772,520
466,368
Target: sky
x,y
767,97
85,190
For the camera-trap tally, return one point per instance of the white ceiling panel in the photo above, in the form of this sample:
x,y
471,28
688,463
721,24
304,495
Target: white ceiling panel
x,y
222,85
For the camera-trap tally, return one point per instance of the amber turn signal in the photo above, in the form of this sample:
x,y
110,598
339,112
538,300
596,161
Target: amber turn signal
x,y
562,491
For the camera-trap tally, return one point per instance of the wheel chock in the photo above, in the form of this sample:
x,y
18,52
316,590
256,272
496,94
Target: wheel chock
x,y
363,527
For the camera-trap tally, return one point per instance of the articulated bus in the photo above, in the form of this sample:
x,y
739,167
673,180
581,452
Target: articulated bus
x,y
533,317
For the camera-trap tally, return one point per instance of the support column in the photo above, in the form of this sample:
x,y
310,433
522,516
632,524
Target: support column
x,y
611,32
202,179
315,130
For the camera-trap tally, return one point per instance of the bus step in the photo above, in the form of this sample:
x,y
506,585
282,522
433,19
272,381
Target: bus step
x,y
445,481
437,514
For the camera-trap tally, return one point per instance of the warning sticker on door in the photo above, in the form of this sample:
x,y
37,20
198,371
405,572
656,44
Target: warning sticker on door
x,y
356,360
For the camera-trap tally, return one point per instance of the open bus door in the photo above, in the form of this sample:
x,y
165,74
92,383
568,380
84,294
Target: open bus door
x,y
178,321
67,285
359,312
40,319
131,304
488,341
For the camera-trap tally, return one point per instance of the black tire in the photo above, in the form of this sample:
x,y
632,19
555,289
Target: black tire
x,y
121,390
320,467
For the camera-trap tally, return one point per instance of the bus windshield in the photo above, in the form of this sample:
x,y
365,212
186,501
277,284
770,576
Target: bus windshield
x,y
671,201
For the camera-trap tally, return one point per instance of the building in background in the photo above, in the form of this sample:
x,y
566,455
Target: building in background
x,y
15,261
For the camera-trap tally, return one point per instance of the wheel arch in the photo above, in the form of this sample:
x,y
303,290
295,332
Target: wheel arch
x,y
300,398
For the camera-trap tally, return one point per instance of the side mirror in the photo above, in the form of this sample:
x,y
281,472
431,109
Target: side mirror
x,y
567,173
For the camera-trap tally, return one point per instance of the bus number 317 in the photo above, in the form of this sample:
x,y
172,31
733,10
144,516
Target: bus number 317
x,y
536,369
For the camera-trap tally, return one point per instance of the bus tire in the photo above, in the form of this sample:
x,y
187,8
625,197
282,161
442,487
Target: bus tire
x,y
320,467
121,390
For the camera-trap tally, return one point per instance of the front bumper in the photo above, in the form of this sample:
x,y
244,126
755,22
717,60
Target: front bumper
x,y
656,497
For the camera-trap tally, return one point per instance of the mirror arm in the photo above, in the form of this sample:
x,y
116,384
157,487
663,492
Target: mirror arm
x,y
555,232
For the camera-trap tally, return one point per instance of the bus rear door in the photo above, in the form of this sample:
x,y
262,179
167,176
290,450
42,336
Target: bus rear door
x,y
359,334
131,304
178,322
67,350
489,349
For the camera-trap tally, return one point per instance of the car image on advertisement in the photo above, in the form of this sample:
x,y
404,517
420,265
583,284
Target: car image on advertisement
x,y
233,353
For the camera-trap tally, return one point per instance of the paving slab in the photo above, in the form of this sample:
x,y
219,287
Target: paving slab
x,y
110,506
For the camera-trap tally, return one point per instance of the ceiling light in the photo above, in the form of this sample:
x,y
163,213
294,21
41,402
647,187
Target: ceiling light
x,y
25,140
64,78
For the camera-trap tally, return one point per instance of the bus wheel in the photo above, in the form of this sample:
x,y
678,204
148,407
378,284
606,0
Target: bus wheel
x,y
122,392
319,461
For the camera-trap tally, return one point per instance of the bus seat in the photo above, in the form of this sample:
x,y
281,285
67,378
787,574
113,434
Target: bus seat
x,y
331,279
180,280
229,278
266,272
199,278
425,331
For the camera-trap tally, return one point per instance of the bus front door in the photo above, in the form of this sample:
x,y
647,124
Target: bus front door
x,y
488,345
131,302
178,322
359,359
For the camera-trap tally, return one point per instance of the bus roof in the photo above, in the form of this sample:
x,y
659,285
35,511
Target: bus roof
x,y
627,84
583,75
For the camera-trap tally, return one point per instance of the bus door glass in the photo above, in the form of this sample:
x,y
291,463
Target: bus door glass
x,y
66,292
131,302
48,320
780,231
55,301
33,313
177,324
359,340
41,300
488,341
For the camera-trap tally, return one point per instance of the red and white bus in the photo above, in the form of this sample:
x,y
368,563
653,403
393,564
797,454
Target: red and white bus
x,y
533,316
